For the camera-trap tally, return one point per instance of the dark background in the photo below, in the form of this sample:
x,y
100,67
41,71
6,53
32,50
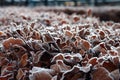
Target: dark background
x,y
59,2
106,10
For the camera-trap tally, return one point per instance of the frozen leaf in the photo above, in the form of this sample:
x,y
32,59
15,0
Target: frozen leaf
x,y
68,33
76,19
72,74
59,56
7,77
60,43
102,34
24,60
86,45
20,74
18,50
48,37
115,74
40,74
12,41
63,67
93,61
109,66
101,74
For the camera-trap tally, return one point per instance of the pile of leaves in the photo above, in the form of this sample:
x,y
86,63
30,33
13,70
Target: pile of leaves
x,y
47,45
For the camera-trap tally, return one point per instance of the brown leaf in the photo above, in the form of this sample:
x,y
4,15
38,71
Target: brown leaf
x,y
18,50
85,60
3,61
20,74
60,43
36,56
2,33
113,53
109,66
23,61
32,25
36,35
93,61
40,74
101,74
85,44
102,34
89,12
55,67
47,22
115,74
57,57
77,57
68,33
73,74
76,19
12,41
48,38
54,78
116,60
6,77
82,52
62,66
63,22
6,70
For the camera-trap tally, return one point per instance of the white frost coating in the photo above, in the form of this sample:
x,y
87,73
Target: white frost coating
x,y
78,55
118,50
97,47
50,28
68,71
86,68
62,66
37,70
60,54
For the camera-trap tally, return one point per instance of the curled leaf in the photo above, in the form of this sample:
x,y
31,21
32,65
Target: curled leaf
x,y
24,60
68,33
85,44
101,74
20,74
12,41
40,74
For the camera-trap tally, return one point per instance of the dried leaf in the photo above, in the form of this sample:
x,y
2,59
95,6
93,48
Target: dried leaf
x,y
18,50
40,74
48,38
60,43
102,34
3,61
7,77
36,35
63,67
20,74
2,33
115,74
93,61
109,66
101,74
23,61
12,41
68,33
76,19
85,44
72,74
59,56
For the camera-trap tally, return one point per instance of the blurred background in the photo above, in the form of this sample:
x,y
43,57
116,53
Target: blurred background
x,y
59,2
107,10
